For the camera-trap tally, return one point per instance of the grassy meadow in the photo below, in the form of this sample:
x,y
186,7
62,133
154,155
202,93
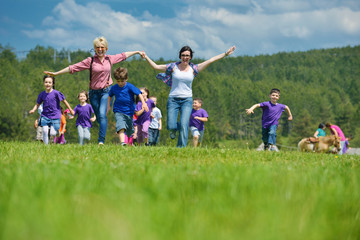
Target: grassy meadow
x,y
112,192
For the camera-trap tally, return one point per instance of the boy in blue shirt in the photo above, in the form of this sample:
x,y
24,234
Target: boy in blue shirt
x,y
124,105
272,111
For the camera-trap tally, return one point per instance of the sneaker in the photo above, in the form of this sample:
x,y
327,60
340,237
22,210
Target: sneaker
x,y
101,143
123,144
172,134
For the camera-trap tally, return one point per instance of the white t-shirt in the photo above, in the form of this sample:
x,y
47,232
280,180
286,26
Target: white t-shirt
x,y
182,83
157,116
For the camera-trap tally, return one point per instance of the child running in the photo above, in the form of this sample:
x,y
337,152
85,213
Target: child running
x,y
61,138
84,120
124,105
50,118
272,111
198,118
155,125
143,118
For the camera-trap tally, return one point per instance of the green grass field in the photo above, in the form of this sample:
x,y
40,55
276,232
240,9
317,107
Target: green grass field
x,y
110,192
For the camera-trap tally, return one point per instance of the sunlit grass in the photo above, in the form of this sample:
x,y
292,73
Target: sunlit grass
x,y
111,192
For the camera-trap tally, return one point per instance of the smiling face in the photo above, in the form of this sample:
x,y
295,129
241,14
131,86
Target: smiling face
x,y
185,57
196,105
48,84
274,97
100,49
82,98
144,93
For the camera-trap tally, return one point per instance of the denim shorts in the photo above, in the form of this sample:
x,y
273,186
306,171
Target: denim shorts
x,y
44,121
196,132
124,121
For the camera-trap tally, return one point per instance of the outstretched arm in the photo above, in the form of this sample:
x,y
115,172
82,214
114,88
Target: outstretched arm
x,y
289,113
62,71
130,54
251,110
152,64
203,65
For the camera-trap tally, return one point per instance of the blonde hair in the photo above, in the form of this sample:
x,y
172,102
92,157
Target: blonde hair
x,y
100,40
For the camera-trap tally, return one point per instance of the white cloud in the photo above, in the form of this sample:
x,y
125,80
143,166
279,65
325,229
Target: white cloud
x,y
263,27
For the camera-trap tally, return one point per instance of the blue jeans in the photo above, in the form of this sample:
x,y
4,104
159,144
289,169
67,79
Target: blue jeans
x,y
269,135
184,105
98,100
154,135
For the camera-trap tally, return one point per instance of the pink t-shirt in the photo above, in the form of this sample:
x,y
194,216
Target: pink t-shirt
x,y
100,70
339,132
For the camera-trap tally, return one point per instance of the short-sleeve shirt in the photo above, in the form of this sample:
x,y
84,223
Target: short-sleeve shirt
x,y
51,103
84,115
62,124
195,122
145,116
155,124
321,132
339,132
124,98
271,113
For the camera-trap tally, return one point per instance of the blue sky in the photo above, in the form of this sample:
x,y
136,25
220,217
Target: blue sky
x,y
161,27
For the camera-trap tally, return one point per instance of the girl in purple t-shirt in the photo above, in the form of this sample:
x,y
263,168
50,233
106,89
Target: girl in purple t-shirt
x,y
143,118
84,120
50,118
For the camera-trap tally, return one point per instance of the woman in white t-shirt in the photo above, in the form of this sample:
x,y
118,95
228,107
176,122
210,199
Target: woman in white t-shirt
x,y
179,76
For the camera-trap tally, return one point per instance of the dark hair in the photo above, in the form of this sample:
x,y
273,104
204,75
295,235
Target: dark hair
x,y
121,73
199,100
328,124
321,125
186,48
275,90
52,77
86,94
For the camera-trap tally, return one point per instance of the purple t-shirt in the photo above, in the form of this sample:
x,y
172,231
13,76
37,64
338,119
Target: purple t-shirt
x,y
271,113
195,122
145,116
84,115
51,104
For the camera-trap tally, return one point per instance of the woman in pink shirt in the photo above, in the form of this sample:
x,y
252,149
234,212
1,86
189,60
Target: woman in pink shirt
x,y
335,130
100,79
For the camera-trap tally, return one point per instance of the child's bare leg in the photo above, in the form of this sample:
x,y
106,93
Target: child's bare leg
x,y
122,136
196,141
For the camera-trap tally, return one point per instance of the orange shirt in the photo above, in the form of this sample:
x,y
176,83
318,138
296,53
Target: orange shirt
x,y
63,122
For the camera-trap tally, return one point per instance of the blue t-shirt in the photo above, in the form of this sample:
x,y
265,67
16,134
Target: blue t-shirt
x,y
124,98
321,132
271,113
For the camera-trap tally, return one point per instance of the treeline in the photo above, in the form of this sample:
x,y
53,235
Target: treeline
x,y
318,86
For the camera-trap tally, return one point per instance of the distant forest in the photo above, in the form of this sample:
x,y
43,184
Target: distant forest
x,y
317,85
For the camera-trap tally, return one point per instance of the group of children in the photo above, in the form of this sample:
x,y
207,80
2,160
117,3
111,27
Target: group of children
x,y
137,118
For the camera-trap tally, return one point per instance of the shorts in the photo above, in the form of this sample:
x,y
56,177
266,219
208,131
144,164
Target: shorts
x,y
44,121
124,121
195,132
